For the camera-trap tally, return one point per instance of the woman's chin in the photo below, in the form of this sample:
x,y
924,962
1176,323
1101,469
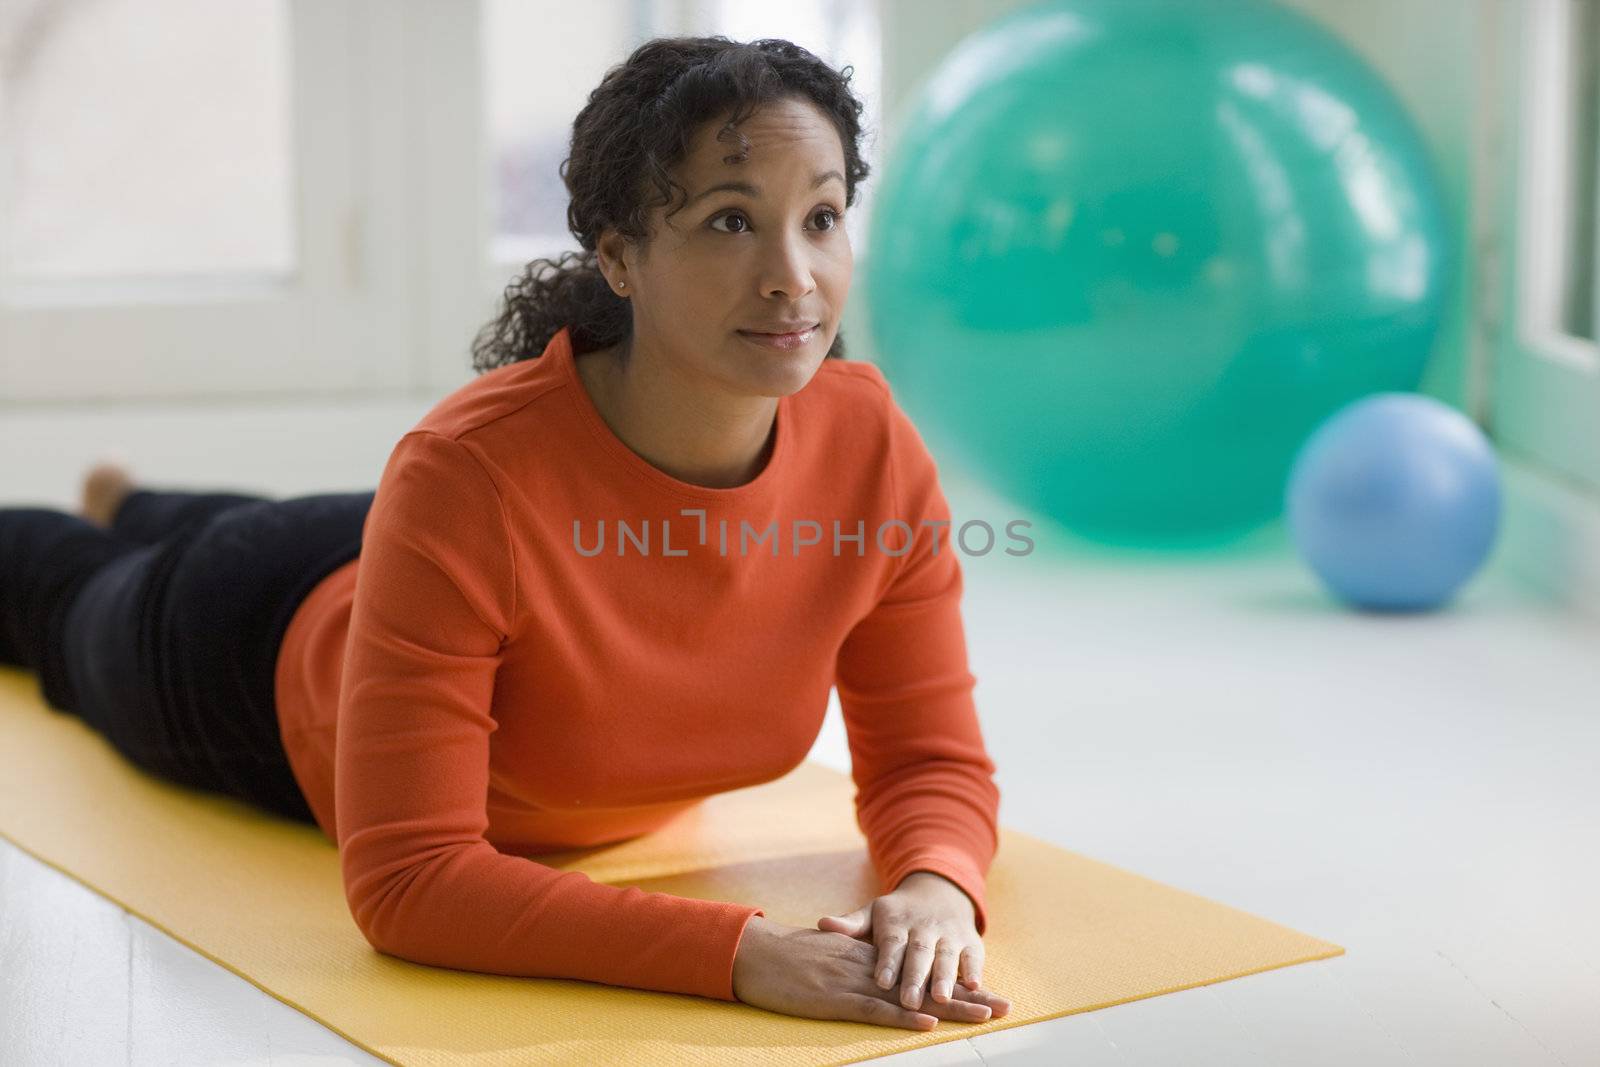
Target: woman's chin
x,y
778,373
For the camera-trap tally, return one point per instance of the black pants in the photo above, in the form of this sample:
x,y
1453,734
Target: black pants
x,y
163,632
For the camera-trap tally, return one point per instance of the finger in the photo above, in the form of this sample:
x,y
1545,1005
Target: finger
x,y
959,1009
891,942
856,923
971,969
914,969
942,976
866,1009
965,1006
993,1001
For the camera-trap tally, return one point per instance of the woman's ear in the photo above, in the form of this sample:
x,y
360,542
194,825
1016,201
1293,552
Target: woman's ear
x,y
608,255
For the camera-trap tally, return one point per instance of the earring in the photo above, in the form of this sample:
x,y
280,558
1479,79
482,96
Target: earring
x,y
622,285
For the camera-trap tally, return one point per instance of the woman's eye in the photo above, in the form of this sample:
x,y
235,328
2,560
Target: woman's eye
x,y
833,217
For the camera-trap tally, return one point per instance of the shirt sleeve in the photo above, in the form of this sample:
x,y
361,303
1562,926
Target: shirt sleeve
x,y
434,605
925,792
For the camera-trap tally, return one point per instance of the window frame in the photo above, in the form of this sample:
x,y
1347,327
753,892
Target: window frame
x,y
333,325
389,123
1545,392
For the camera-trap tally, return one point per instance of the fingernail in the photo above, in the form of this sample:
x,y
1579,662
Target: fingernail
x,y
883,977
941,992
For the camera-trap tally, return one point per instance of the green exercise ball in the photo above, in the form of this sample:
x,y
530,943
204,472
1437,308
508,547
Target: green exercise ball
x,y
1128,254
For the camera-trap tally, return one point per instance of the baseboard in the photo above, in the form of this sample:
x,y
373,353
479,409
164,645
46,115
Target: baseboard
x,y
1550,534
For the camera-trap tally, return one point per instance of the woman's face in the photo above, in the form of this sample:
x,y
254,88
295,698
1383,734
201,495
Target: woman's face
x,y
748,258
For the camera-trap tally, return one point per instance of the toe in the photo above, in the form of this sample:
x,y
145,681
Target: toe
x,y
104,486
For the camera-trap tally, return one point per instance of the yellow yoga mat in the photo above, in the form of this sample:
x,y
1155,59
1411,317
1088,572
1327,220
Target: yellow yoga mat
x,y
262,897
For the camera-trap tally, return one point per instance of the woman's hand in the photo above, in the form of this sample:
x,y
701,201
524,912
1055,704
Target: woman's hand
x,y
817,974
925,936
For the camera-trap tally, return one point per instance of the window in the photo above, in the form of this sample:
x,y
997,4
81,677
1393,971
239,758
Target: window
x,y
204,199
534,86
188,193
1546,386
116,167
1576,281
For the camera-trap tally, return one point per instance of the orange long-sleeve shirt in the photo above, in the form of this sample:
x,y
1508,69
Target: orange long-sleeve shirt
x,y
482,685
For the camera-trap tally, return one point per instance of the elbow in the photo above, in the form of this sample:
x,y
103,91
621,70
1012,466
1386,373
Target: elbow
x,y
381,889
372,906
409,902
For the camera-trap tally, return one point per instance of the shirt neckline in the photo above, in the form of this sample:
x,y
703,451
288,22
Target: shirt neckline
x,y
560,349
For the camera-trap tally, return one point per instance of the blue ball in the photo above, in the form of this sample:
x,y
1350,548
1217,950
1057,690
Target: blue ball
x,y
1394,501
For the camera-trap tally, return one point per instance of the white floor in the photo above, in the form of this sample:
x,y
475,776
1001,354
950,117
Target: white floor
x,y
1420,790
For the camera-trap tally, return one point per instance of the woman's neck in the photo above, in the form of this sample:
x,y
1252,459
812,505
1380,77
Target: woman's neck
x,y
691,433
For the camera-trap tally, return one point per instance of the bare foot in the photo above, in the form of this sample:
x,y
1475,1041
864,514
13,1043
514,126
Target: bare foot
x,y
105,485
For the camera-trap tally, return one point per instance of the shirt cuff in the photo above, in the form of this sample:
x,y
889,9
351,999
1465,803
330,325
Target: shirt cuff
x,y
730,932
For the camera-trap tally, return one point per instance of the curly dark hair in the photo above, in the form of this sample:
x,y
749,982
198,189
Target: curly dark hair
x,y
637,125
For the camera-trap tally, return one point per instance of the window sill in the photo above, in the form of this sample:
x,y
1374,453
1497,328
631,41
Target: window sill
x,y
1551,534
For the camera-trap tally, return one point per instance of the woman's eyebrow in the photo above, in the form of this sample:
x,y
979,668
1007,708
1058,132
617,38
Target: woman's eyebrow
x,y
753,191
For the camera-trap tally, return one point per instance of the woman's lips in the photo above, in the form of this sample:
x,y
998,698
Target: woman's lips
x,y
779,340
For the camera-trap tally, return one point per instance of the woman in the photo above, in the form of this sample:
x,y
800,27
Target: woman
x,y
616,573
